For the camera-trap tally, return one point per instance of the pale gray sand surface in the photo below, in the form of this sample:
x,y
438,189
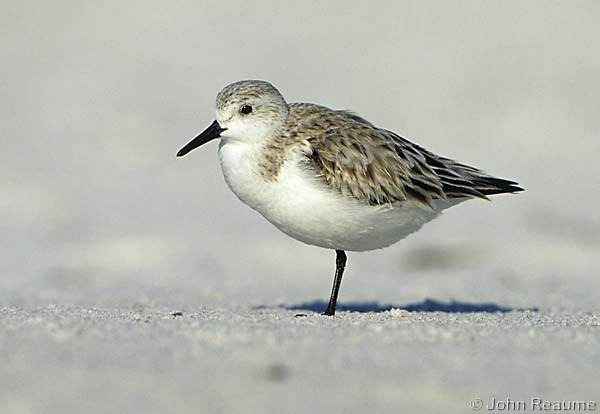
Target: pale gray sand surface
x,y
144,359
104,233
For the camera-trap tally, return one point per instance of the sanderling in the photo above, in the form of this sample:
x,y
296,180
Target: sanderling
x,y
330,178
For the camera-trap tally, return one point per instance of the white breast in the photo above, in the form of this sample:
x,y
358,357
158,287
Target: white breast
x,y
303,208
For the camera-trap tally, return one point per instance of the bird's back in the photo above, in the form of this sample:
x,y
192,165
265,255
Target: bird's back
x,y
376,166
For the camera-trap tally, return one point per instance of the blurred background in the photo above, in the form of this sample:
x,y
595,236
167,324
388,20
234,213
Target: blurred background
x,y
98,96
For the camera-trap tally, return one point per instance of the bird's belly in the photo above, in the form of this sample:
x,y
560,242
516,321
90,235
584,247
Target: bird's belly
x,y
309,212
298,204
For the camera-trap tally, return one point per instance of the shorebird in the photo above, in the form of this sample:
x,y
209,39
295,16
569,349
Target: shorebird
x,y
330,178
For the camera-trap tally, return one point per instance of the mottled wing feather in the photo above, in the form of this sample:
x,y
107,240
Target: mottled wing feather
x,y
379,167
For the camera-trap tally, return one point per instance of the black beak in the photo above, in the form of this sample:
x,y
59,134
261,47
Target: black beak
x,y
210,133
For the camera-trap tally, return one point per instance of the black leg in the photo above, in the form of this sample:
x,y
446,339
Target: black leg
x,y
340,264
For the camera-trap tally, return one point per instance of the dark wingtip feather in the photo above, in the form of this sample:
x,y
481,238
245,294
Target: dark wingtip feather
x,y
480,187
492,185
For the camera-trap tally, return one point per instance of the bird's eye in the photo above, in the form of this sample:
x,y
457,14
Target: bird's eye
x,y
246,109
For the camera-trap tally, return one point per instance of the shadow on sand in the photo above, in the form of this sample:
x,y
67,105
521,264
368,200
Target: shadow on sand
x,y
428,305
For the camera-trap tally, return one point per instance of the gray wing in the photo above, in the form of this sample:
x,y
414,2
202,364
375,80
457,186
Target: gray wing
x,y
378,167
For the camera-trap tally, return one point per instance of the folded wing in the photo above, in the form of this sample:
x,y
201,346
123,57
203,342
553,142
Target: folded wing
x,y
378,167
